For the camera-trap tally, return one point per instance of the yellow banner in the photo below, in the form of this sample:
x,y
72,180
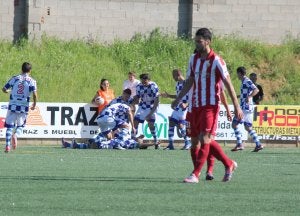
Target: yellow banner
x,y
277,120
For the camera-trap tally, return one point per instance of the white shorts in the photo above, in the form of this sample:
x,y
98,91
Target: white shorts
x,y
247,119
106,123
141,114
14,119
178,116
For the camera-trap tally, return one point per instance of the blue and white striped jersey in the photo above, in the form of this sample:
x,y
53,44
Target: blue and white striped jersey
x,y
117,110
185,99
247,88
21,88
147,94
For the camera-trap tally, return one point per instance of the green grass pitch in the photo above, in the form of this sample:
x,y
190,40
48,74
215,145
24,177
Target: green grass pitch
x,y
54,181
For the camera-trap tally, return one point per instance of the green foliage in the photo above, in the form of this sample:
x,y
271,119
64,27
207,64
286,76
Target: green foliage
x,y
53,181
70,71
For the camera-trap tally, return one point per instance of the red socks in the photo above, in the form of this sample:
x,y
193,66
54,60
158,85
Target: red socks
x,y
210,163
218,152
207,152
201,159
194,154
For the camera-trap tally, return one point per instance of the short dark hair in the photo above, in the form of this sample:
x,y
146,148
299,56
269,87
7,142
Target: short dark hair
x,y
26,67
145,76
127,91
205,33
253,74
242,70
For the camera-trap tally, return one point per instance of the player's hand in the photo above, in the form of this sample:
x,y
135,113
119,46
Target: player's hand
x,y
33,106
183,105
229,117
238,113
248,99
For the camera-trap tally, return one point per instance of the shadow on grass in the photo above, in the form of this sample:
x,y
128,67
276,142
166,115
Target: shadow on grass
x,y
91,179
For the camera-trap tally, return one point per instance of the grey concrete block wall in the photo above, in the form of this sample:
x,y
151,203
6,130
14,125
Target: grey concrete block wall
x,y
270,21
104,20
6,19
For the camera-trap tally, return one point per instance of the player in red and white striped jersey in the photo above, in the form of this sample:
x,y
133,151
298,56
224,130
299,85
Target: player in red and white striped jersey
x,y
206,72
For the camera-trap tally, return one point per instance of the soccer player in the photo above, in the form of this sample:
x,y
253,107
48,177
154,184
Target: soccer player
x,y
104,92
178,115
147,94
114,116
20,87
248,90
260,95
206,72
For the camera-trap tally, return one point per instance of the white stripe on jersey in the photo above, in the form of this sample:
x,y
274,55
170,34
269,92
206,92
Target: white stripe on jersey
x,y
208,75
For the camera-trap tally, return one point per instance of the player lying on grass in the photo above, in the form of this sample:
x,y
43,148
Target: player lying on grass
x,y
119,139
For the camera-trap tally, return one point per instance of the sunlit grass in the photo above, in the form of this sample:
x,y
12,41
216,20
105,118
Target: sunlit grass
x,y
70,71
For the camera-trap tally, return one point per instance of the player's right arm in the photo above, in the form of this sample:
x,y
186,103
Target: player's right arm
x,y
5,90
8,86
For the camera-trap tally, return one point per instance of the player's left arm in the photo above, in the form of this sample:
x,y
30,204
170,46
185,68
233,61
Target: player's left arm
x,y
155,105
222,69
253,92
34,97
225,103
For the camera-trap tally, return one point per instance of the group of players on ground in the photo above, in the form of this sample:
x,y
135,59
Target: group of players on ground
x,y
195,110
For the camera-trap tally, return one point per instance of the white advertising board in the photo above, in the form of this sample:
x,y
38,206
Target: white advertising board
x,y
78,120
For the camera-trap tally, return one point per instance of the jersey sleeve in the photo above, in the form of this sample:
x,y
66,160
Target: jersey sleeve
x,y
10,83
155,90
222,68
251,86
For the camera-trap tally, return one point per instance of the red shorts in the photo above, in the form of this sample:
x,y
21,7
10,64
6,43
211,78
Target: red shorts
x,y
204,120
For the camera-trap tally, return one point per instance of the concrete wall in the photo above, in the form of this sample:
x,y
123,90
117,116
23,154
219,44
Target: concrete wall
x,y
104,20
13,19
266,20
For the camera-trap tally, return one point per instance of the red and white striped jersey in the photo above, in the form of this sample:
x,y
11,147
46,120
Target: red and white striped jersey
x,y
208,75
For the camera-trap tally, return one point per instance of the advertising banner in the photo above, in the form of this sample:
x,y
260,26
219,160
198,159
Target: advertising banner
x,y
273,122
78,120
